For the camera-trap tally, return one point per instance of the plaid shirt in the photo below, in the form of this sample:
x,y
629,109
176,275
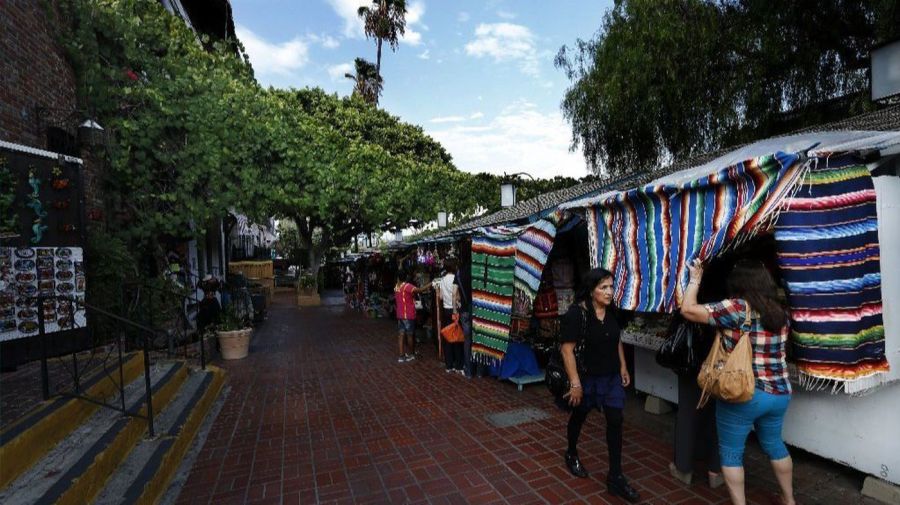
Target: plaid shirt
x,y
769,366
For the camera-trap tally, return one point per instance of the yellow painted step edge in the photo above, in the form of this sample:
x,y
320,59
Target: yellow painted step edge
x,y
19,454
154,489
85,488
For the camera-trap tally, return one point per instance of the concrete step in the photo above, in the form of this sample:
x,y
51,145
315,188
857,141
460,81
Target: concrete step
x,y
28,439
79,465
144,476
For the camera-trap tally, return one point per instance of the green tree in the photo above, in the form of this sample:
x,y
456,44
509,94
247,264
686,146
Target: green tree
x,y
384,21
340,167
183,120
663,81
367,82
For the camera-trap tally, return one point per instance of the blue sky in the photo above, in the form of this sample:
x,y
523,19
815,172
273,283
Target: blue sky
x,y
476,75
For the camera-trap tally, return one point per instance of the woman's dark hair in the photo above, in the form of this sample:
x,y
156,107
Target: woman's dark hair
x,y
752,282
589,281
406,276
450,265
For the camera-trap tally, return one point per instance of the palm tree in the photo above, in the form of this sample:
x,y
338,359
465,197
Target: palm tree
x,y
385,20
368,82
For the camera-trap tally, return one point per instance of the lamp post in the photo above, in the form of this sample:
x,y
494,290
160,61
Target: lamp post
x,y
442,219
90,133
508,189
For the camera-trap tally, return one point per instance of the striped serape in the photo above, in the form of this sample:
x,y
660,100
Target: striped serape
x,y
532,249
648,235
827,240
506,261
493,267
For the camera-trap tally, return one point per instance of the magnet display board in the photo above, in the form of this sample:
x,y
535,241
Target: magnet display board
x,y
29,272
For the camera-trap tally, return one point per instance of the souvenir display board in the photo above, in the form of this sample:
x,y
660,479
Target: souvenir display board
x,y
29,272
41,253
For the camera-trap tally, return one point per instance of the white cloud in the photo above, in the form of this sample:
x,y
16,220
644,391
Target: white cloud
x,y
353,25
346,9
326,41
520,139
414,12
425,55
447,119
506,15
273,59
456,119
505,42
338,72
462,17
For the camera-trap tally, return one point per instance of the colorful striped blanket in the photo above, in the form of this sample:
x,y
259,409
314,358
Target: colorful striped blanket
x,y
827,239
647,236
506,261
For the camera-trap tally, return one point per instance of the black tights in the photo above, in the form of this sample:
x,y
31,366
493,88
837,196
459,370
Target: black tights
x,y
614,422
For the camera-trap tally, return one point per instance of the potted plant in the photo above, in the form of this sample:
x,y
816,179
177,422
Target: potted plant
x,y
308,293
307,284
233,332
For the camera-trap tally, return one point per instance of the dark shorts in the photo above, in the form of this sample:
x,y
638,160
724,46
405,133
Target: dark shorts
x,y
406,325
602,391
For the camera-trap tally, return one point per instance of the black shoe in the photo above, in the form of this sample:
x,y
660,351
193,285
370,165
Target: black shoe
x,y
618,486
575,465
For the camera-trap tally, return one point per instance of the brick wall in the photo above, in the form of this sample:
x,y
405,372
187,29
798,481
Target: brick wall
x,y
33,72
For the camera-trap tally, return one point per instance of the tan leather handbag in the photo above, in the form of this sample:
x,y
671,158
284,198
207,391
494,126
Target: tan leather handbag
x,y
728,375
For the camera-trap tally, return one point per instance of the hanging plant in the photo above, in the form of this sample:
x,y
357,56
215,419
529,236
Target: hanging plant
x,y
8,217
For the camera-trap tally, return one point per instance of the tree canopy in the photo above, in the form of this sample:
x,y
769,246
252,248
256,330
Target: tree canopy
x,y
662,81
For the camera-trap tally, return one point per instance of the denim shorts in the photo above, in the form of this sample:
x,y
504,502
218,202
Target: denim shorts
x,y
406,325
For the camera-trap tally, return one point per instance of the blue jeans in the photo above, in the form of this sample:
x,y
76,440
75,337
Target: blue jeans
x,y
764,412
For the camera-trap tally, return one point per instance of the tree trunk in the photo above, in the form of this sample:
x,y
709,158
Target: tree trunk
x,y
314,255
378,62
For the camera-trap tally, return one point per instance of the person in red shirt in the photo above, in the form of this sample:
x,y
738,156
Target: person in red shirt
x,y
404,295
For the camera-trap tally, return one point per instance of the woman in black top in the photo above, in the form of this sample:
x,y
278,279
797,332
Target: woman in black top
x,y
599,379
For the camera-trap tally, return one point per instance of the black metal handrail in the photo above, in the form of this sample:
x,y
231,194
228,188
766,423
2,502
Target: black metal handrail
x,y
75,306
187,299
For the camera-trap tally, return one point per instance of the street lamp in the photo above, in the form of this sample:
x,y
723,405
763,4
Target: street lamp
x,y
507,194
442,219
90,133
508,189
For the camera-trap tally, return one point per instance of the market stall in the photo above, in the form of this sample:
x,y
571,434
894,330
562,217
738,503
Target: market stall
x,y
823,200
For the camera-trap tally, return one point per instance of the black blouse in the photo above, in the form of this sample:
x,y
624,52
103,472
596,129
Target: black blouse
x,y
601,345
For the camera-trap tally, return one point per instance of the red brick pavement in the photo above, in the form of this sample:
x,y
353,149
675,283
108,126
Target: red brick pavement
x,y
320,412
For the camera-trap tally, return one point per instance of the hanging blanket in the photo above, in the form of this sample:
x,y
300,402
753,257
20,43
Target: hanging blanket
x,y
647,236
532,249
493,266
827,239
506,260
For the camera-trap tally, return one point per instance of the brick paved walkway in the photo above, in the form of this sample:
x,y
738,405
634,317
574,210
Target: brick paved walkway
x,y
320,412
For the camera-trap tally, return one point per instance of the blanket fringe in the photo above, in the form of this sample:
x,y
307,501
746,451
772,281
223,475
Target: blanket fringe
x,y
768,221
859,387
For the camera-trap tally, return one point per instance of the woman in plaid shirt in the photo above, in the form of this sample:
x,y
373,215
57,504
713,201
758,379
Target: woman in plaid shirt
x,y
752,292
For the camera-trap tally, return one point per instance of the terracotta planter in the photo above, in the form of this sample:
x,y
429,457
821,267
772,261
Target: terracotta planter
x,y
308,291
312,300
234,344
